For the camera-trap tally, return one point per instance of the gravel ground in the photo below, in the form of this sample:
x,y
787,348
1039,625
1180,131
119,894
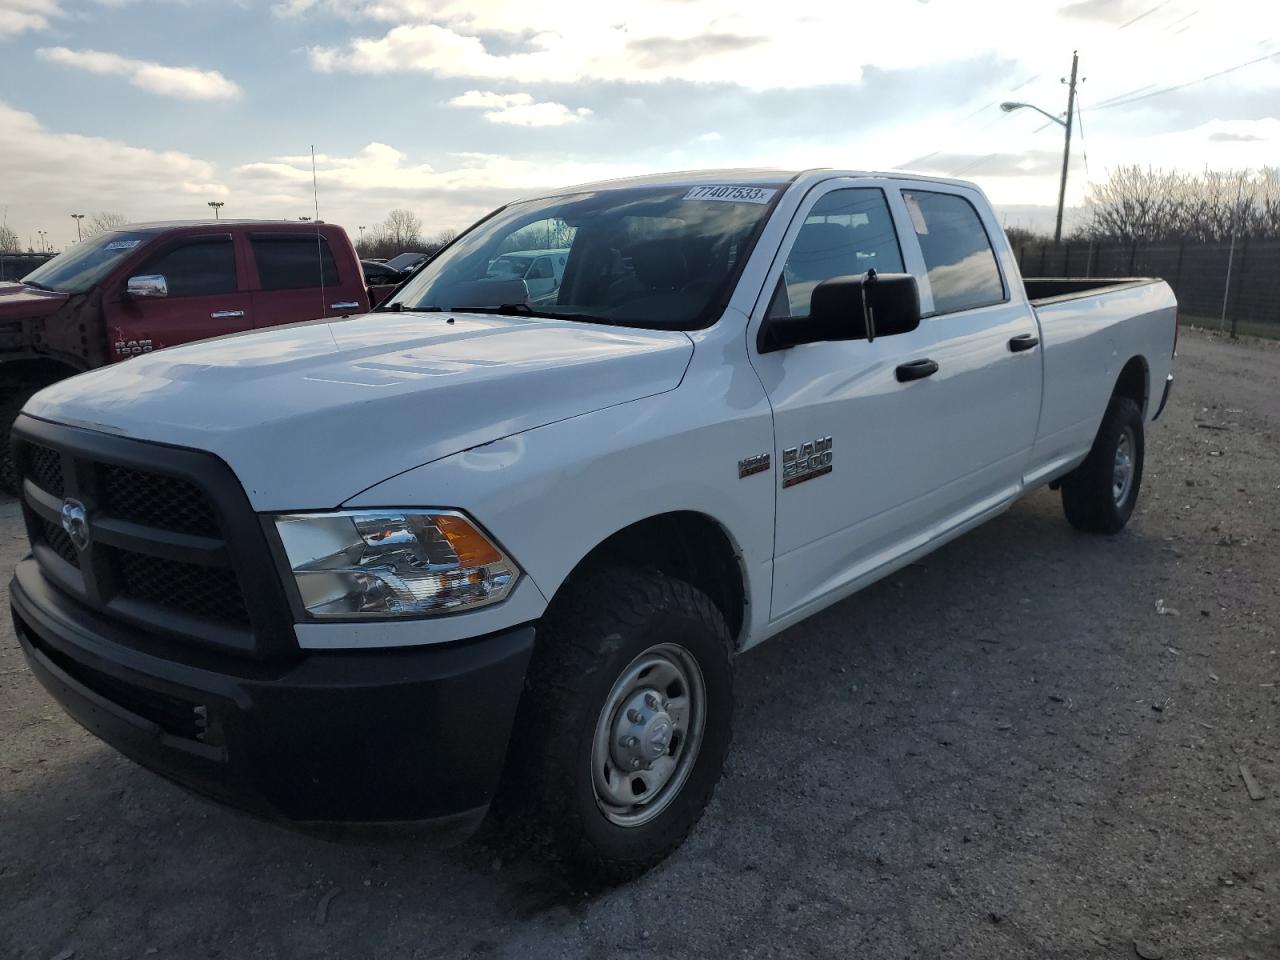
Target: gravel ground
x,y
1005,751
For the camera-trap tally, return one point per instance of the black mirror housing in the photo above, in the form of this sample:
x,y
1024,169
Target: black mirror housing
x,y
850,308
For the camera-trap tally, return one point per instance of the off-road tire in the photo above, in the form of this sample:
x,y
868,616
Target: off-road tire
x,y
1088,492
595,628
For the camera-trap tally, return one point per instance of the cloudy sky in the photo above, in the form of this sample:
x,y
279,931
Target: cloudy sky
x,y
154,107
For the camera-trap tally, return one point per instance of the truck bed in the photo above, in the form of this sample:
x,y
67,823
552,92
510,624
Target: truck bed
x,y
1041,290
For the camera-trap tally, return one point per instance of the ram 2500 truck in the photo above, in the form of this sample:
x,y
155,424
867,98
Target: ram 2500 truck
x,y
467,550
145,286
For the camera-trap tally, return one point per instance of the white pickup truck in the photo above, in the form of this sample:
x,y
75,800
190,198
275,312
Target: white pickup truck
x,y
471,548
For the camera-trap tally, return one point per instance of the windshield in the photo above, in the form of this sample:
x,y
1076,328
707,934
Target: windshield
x,y
82,266
661,257
404,261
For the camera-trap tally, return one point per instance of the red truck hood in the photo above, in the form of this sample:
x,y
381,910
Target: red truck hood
x,y
18,301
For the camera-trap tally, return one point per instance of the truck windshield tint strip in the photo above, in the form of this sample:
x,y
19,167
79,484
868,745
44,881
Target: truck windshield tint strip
x,y
655,257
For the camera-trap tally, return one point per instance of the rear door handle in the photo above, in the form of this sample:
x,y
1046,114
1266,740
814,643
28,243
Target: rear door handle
x,y
344,305
1023,341
917,370
225,314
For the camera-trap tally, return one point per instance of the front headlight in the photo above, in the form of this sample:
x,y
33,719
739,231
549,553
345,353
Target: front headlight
x,y
392,563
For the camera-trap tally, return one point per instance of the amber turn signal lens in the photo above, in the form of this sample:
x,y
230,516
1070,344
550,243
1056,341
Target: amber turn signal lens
x,y
472,549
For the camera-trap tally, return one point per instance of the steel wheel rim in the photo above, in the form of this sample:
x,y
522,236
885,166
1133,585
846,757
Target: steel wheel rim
x,y
648,735
1122,468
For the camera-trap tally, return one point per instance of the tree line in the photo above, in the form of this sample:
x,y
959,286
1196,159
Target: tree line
x,y
1151,205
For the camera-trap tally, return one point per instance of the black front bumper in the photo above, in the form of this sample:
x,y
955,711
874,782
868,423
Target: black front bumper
x,y
384,736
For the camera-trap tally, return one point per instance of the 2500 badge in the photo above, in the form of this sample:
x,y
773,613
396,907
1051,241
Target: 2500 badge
x,y
806,462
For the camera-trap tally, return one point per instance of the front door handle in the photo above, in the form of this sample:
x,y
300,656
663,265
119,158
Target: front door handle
x,y
344,305
225,314
917,370
1023,341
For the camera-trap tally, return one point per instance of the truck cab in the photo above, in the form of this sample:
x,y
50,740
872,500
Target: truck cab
x,y
144,287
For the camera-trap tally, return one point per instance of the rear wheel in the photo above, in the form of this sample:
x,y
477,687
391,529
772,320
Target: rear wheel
x,y
625,722
1100,494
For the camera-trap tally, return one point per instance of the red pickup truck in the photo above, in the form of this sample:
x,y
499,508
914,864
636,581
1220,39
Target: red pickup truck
x,y
153,285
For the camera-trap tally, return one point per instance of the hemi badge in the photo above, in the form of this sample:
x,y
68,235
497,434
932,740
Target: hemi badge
x,y
750,466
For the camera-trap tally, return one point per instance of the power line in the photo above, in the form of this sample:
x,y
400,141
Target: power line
x,y
1189,83
1084,151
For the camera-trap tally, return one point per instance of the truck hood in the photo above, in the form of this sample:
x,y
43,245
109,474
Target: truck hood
x,y
18,301
310,414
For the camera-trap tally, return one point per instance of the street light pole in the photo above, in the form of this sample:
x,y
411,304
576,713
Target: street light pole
x,y
77,217
217,206
1009,106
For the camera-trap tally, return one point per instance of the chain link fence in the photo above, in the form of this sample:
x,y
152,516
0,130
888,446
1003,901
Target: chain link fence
x,y
1224,286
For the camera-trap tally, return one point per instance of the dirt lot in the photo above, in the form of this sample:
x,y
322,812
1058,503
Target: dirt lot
x,y
1006,751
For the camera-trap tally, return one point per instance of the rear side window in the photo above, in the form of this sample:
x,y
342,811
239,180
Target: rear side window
x,y
197,268
848,232
957,251
293,262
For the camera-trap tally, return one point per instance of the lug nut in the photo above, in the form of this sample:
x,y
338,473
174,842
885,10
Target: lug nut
x,y
635,716
635,763
651,701
628,741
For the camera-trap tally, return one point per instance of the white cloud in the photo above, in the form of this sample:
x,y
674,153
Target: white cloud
x,y
519,109
186,83
746,42
17,16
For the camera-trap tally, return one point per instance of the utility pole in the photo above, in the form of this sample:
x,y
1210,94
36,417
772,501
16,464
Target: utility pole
x,y
217,206
44,244
77,217
1010,105
1066,147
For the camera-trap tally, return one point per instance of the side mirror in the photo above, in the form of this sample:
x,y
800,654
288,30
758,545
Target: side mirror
x,y
151,285
850,308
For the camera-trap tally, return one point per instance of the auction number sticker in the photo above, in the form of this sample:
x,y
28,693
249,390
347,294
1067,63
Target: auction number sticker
x,y
122,244
732,194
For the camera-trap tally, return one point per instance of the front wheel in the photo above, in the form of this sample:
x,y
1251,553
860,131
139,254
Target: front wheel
x,y
1100,494
626,721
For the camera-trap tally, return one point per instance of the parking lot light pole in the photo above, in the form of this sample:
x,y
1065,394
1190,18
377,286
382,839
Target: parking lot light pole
x,y
217,206
77,217
1010,105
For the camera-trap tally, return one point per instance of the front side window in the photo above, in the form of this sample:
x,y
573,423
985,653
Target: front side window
x,y
293,261
662,257
84,265
957,251
848,232
197,268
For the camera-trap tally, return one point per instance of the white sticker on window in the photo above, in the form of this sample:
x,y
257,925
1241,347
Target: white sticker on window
x,y
732,194
917,215
122,244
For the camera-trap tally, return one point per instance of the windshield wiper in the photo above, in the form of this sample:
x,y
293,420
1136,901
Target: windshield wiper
x,y
524,310
38,286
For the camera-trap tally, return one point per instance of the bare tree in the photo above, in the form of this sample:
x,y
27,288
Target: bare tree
x,y
1136,204
103,221
403,228
9,242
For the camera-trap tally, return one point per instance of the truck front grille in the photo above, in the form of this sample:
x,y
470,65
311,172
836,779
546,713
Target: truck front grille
x,y
44,468
210,593
157,501
58,541
172,543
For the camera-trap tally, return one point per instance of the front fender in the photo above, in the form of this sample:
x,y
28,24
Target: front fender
x,y
551,494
